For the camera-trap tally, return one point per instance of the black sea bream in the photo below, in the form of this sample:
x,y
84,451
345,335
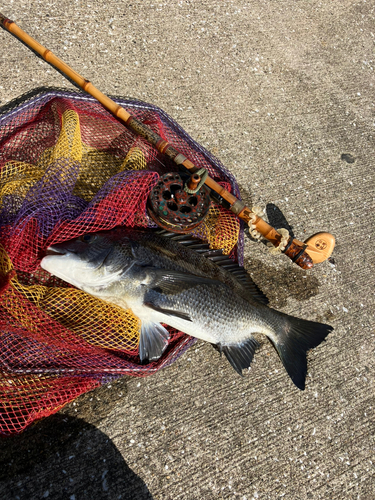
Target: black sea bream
x,y
180,282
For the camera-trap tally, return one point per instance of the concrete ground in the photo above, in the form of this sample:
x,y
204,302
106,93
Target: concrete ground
x,y
283,93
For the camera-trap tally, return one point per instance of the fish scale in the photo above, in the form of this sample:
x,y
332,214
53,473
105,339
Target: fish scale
x,y
223,316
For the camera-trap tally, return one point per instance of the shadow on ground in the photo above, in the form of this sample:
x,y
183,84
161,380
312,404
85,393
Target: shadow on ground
x,y
292,282
64,457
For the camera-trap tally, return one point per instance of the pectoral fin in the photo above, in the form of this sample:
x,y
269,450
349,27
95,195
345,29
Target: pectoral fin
x,y
153,341
168,312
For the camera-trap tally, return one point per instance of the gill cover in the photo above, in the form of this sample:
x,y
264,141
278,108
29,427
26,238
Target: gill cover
x,y
87,261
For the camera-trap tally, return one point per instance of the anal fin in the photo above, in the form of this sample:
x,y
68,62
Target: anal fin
x,y
153,341
240,355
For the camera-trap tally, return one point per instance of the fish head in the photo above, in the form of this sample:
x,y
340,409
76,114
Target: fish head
x,y
90,262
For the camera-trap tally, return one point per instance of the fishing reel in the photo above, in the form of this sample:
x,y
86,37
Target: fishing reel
x,y
177,203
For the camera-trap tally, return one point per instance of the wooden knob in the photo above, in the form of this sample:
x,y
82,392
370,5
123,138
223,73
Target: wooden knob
x,y
194,181
320,246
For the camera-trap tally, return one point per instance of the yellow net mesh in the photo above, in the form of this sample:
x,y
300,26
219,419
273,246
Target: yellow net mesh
x,y
95,167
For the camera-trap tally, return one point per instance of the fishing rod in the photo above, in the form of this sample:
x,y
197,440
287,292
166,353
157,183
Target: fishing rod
x,y
314,250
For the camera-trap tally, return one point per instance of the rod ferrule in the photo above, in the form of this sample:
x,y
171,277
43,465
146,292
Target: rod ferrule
x,y
237,207
179,159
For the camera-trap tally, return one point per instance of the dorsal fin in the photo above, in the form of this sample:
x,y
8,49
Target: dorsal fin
x,y
221,260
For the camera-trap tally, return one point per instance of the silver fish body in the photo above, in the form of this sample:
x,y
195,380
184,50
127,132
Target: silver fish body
x,y
180,282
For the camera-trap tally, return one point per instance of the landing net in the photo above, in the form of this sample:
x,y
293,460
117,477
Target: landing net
x,y
67,168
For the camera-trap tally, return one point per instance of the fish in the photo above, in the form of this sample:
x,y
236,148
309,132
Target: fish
x,y
177,280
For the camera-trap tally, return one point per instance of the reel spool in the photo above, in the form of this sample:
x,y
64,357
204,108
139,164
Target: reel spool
x,y
172,208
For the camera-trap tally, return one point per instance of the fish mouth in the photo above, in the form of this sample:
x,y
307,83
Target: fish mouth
x,y
55,251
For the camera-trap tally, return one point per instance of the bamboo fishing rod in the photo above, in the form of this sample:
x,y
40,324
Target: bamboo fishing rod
x,y
316,249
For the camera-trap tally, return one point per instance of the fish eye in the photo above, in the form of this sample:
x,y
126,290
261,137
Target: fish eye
x,y
86,237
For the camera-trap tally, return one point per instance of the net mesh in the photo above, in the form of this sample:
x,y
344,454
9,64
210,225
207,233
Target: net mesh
x,y
68,167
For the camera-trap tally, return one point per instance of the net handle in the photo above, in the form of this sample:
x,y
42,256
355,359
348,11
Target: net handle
x,y
294,249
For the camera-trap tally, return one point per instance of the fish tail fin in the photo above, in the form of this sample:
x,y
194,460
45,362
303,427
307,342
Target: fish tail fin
x,y
294,337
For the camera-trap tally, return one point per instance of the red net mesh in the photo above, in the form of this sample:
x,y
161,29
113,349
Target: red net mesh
x,y
68,167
